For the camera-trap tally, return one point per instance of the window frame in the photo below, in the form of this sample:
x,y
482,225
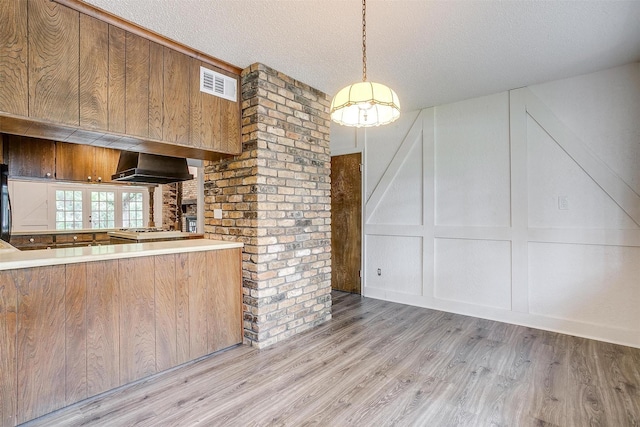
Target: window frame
x,y
87,189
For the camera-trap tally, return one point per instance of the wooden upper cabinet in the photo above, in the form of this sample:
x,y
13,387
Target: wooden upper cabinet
x,y
156,90
83,77
30,157
137,85
53,62
231,139
13,51
176,97
94,73
105,163
74,162
78,162
214,121
116,84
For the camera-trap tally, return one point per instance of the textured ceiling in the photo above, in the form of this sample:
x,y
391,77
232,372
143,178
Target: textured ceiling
x,y
429,52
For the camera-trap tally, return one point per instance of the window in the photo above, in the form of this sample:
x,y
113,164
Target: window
x,y
68,209
103,209
132,210
91,206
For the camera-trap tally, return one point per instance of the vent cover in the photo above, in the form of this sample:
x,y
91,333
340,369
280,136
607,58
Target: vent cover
x,y
218,84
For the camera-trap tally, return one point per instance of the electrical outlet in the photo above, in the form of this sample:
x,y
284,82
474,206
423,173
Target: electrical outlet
x,y
217,213
379,272
563,203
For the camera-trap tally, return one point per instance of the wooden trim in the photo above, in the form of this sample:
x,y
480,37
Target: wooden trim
x,y
131,27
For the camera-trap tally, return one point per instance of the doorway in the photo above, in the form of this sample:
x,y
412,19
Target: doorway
x,y
346,222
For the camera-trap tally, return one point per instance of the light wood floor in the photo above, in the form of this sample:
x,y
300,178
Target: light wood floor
x,y
384,364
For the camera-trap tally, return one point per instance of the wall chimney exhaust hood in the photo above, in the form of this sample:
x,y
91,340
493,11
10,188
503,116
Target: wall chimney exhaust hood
x,y
151,168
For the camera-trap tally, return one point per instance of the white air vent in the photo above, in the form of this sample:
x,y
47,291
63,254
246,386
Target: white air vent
x,y
218,84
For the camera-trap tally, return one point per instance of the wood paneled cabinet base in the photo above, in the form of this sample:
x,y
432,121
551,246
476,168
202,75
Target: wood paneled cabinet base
x,y
72,331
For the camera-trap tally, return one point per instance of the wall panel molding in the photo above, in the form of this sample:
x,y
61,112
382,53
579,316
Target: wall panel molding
x,y
413,136
584,279
619,191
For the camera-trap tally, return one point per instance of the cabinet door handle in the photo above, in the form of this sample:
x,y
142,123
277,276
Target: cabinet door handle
x,y
75,237
31,240
48,175
89,178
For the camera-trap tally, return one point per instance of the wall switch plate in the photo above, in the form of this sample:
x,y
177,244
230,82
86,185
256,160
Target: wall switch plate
x,y
217,213
563,203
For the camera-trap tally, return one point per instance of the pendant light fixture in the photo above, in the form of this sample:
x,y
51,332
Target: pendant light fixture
x,y
365,104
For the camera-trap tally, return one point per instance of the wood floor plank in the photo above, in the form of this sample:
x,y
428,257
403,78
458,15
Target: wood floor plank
x,y
584,392
378,363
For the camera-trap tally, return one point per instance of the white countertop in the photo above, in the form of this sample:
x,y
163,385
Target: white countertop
x,y
150,235
72,231
44,257
6,248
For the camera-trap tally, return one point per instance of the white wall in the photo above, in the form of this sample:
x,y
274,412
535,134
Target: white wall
x,y
521,206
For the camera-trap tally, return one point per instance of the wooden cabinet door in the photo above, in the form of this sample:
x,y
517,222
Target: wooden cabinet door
x,y
78,162
137,85
41,341
74,162
214,121
117,76
231,140
13,51
224,299
30,157
176,97
94,72
105,163
54,57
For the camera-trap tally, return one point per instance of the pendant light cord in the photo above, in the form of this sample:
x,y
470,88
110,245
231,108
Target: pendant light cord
x,y
364,40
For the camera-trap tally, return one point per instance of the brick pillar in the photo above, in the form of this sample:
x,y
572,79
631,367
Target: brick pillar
x,y
169,205
275,198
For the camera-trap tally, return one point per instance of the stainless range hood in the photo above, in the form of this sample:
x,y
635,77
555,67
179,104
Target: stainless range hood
x,y
151,168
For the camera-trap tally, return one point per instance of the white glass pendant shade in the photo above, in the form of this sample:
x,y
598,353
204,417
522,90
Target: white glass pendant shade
x,y
365,104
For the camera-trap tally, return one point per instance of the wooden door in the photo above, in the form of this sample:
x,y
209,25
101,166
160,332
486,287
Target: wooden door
x,y
346,222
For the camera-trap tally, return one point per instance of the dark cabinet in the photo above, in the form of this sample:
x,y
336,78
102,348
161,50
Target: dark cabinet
x,y
42,158
77,162
29,157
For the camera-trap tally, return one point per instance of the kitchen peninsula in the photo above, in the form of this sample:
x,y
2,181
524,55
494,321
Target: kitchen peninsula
x,y
79,321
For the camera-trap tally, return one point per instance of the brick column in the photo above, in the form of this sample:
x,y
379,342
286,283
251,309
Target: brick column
x,y
275,198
